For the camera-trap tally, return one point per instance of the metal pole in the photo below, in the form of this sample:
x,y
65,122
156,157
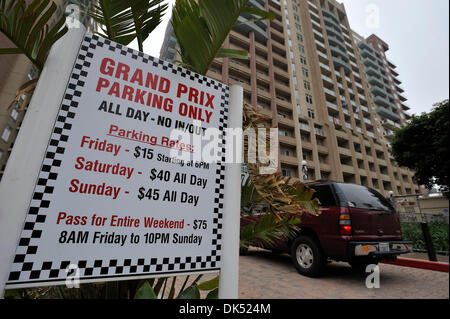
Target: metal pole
x,y
229,272
25,161
426,234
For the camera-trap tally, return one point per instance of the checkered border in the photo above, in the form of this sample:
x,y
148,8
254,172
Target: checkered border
x,y
24,271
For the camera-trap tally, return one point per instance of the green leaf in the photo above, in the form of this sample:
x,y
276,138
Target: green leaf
x,y
231,53
10,51
145,292
262,14
123,21
191,292
213,294
210,284
202,26
26,25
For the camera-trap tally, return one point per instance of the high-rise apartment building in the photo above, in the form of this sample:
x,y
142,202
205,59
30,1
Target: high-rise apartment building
x,y
334,95
15,70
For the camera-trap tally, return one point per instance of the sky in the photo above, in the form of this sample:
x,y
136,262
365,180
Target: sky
x,y
417,32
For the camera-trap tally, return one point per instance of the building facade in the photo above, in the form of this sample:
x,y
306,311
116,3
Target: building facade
x,y
334,96
15,70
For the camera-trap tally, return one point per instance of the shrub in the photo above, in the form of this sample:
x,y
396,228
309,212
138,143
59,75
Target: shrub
x,y
438,231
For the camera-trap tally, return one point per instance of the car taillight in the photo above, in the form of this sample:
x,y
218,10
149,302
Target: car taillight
x,y
345,223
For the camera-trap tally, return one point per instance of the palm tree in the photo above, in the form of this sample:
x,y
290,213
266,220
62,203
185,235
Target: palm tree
x,y
201,27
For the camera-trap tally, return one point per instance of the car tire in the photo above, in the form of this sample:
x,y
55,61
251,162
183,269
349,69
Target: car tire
x,y
307,256
243,251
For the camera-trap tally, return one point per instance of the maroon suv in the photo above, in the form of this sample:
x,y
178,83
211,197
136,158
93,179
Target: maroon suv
x,y
357,225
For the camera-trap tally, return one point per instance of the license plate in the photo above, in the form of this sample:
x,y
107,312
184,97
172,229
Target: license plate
x,y
383,247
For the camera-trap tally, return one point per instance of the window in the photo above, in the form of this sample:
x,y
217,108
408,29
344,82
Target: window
x,y
14,112
303,60
305,72
32,73
311,114
286,172
296,18
1,154
363,197
299,37
309,99
282,133
298,27
6,133
325,195
307,85
295,7
284,152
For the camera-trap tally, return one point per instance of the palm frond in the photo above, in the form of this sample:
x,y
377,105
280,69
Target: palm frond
x,y
123,21
268,229
278,192
202,26
28,25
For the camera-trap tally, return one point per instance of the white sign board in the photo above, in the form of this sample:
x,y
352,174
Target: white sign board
x,y
121,191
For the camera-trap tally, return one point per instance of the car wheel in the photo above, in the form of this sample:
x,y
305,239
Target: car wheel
x,y
307,256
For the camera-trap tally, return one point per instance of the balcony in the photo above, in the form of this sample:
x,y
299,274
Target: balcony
x,y
370,134
338,63
245,27
334,120
365,109
365,46
334,41
381,101
336,52
386,113
336,34
319,131
344,151
370,63
402,97
389,124
330,15
330,23
375,81
327,79
405,106
329,92
378,91
291,160
326,67
304,127
323,55
332,106
286,121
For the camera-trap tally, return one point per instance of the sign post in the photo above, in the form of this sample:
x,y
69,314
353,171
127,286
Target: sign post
x,y
229,274
119,171
17,185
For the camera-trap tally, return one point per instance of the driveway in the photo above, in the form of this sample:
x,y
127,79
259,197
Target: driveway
x,y
263,274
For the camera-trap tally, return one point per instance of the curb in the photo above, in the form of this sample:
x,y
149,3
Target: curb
x,y
421,264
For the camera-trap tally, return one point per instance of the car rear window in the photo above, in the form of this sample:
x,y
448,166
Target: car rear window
x,y
325,195
364,197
